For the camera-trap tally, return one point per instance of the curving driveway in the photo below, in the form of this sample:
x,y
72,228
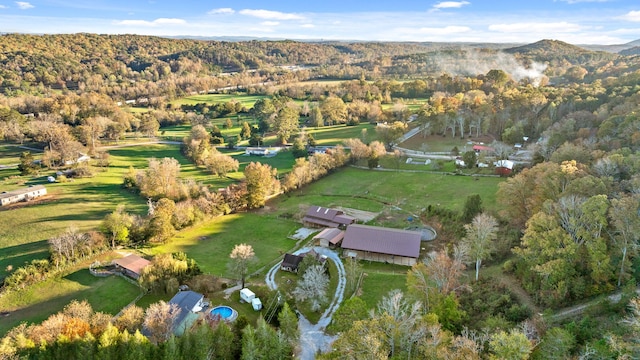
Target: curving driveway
x,y
312,336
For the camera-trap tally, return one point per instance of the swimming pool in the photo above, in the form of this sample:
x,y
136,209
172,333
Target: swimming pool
x,y
223,313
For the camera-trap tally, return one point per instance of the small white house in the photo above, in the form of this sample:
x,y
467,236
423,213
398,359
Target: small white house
x,y
257,304
247,295
24,194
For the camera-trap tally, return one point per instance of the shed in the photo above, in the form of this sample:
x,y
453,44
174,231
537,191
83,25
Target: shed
x,y
247,295
329,237
131,265
504,167
375,243
256,304
291,262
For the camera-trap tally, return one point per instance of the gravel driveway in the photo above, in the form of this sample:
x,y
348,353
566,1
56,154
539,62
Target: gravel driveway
x,y
312,336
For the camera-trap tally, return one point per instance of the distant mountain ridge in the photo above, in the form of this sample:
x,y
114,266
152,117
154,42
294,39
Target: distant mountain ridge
x,y
547,46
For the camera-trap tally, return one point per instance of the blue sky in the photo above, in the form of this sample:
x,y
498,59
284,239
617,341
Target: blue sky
x,y
573,21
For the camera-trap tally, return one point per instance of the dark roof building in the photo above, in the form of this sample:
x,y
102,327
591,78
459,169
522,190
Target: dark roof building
x,y
290,262
132,265
382,244
189,303
320,216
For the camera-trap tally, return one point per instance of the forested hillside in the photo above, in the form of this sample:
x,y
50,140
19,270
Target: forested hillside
x,y
562,229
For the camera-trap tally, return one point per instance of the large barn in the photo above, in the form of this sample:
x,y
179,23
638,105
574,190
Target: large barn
x,y
380,244
326,217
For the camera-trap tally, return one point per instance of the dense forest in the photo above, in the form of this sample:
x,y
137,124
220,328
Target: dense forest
x,y
568,230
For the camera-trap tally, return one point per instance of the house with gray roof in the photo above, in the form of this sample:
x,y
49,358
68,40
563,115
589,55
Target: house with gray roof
x,y
381,244
190,303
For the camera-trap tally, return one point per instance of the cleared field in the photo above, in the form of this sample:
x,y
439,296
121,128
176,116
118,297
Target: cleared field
x,y
376,285
439,143
245,100
333,135
211,243
10,154
372,190
36,303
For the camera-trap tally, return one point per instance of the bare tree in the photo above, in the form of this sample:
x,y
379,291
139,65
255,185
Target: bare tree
x,y
313,287
400,321
479,239
242,256
159,320
444,270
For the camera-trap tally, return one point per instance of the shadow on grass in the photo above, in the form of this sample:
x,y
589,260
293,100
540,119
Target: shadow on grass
x,y
82,277
18,255
108,294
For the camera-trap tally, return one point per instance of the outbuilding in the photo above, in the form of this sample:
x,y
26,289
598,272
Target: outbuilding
x,y
131,265
247,295
329,237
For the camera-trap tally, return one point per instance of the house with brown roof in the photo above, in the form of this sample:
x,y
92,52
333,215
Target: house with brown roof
x,y
381,244
131,265
24,194
329,237
326,217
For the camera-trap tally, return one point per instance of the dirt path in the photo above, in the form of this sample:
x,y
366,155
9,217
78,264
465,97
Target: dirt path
x,y
519,292
312,336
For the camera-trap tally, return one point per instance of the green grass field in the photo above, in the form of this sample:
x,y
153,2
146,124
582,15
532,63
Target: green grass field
x,y
10,154
35,303
372,190
246,100
211,243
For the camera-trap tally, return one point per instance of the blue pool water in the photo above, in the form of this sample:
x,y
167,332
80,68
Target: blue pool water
x,y
224,312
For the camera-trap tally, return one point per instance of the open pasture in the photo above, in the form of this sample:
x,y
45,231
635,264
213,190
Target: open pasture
x,y
211,243
244,99
36,303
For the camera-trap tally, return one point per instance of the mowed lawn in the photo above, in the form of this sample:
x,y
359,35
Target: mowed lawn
x,y
36,303
333,135
211,243
10,154
246,100
371,190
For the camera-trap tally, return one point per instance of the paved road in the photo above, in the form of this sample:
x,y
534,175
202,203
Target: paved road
x,y
312,336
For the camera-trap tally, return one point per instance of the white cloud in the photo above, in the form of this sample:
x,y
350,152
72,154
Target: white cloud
x,y
2,7
631,16
224,11
270,23
552,27
24,5
166,21
271,15
307,26
450,4
156,22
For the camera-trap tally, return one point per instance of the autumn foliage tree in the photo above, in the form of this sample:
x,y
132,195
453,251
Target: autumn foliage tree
x,y
261,182
242,256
